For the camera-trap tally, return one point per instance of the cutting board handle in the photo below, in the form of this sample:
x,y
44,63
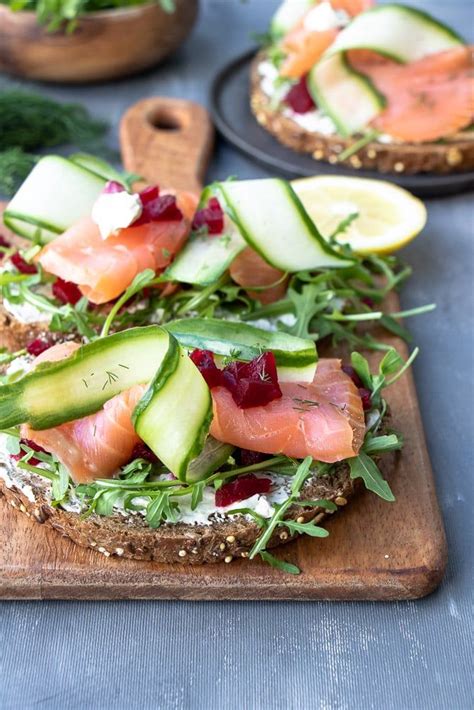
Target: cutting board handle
x,y
167,142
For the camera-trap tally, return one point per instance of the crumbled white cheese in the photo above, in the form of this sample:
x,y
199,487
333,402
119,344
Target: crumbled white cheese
x,y
115,210
26,312
315,121
323,18
271,83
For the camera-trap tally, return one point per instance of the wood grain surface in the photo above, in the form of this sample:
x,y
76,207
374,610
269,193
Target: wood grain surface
x,y
375,550
104,45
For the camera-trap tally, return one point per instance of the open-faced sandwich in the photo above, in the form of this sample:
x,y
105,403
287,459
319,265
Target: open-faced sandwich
x,y
382,87
166,401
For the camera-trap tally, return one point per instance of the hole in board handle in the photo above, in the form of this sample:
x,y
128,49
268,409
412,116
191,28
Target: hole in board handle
x,y
164,120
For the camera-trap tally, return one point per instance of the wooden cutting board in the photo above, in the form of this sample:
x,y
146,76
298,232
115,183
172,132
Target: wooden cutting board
x,y
375,550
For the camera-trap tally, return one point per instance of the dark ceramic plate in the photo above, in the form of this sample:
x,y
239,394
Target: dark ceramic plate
x,y
233,118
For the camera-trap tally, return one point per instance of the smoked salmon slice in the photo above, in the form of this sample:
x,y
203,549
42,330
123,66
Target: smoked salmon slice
x,y
324,419
304,47
104,268
426,100
250,269
94,446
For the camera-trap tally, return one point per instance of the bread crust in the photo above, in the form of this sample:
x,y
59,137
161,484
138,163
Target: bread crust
x,y
454,155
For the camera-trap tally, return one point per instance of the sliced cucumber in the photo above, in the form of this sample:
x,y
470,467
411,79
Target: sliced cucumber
x,y
273,221
174,415
55,194
288,15
347,96
54,393
396,31
296,358
97,166
205,257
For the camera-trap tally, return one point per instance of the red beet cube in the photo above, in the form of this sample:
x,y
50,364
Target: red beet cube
x,y
142,451
38,346
113,186
349,370
204,361
66,292
366,397
254,383
22,265
251,384
245,457
31,444
149,194
159,209
241,488
211,217
298,98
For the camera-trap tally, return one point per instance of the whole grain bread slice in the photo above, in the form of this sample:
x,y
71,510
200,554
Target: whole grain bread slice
x,y
455,154
128,535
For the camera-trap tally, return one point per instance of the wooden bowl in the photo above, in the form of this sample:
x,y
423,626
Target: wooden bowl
x,y
105,45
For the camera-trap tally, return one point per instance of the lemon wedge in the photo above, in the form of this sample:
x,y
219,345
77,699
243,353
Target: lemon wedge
x,y
388,216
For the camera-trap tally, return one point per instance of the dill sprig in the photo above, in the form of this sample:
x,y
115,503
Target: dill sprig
x,y
15,165
31,121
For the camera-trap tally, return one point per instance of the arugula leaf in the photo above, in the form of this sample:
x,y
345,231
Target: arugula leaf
x,y
279,564
306,528
60,483
305,307
197,494
301,475
362,466
382,444
106,501
322,503
390,363
361,366
156,508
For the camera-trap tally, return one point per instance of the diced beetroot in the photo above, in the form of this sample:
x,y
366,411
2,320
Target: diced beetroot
x,y
245,457
113,186
241,488
254,383
66,292
38,346
159,209
298,98
251,384
149,194
4,242
142,451
349,370
22,265
204,361
368,301
31,444
366,397
211,217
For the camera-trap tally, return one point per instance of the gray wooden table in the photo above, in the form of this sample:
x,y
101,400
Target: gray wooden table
x,y
282,655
